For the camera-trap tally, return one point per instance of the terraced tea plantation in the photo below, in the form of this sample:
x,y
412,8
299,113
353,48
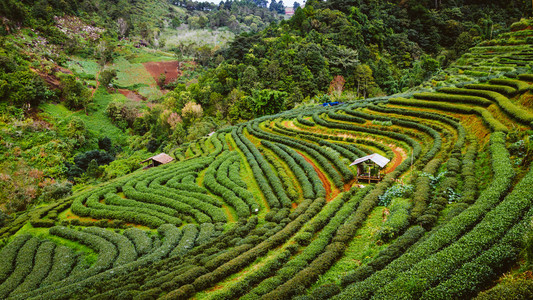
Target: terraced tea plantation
x,y
271,209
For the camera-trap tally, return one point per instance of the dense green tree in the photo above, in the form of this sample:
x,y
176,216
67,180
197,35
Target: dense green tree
x,y
23,88
250,79
107,77
363,80
93,170
74,93
105,144
77,130
277,6
83,160
266,102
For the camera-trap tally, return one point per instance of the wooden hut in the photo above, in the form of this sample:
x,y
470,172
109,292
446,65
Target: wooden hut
x,y
160,159
370,167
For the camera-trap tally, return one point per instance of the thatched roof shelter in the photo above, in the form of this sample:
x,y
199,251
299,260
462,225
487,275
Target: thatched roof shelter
x,y
376,158
160,159
373,174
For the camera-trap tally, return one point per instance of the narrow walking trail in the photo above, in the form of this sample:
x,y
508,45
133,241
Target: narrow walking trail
x,y
330,194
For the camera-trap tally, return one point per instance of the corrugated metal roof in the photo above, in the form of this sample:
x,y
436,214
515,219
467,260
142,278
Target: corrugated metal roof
x,y
161,158
378,159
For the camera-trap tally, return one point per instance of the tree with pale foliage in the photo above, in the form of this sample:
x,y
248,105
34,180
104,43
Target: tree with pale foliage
x,y
122,26
364,79
191,111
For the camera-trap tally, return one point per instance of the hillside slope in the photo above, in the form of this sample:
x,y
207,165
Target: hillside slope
x,y
271,208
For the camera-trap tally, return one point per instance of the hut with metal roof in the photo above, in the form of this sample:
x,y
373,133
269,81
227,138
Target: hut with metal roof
x,y
160,159
367,167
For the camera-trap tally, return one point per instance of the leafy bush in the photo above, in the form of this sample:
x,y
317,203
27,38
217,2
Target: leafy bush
x,y
449,233
74,93
502,101
502,89
126,249
63,262
24,88
512,290
258,166
305,122
189,233
453,98
395,191
9,255
487,117
23,267
101,157
41,267
397,220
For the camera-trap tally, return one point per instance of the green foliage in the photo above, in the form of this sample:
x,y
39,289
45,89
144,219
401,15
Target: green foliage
x,y
453,98
23,266
397,221
512,289
395,191
503,102
74,93
107,76
502,89
83,160
294,239
56,191
487,117
124,164
23,88
529,245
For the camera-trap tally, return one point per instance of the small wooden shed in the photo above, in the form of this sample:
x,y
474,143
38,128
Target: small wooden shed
x,y
160,159
367,167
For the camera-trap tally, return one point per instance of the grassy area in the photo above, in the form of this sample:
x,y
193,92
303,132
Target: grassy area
x,y
86,69
97,122
89,255
143,55
246,172
129,74
360,251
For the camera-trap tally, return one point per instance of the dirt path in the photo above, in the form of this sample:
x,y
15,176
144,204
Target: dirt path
x,y
348,185
228,213
397,160
323,178
97,84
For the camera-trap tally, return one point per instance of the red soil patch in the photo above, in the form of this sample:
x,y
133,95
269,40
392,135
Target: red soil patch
x,y
135,96
51,80
62,70
132,95
71,216
171,69
348,185
397,160
323,178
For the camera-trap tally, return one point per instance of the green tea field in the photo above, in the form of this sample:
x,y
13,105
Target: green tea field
x,y
272,209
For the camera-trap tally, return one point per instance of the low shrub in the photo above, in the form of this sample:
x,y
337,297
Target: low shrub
x,y
453,98
23,267
397,221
